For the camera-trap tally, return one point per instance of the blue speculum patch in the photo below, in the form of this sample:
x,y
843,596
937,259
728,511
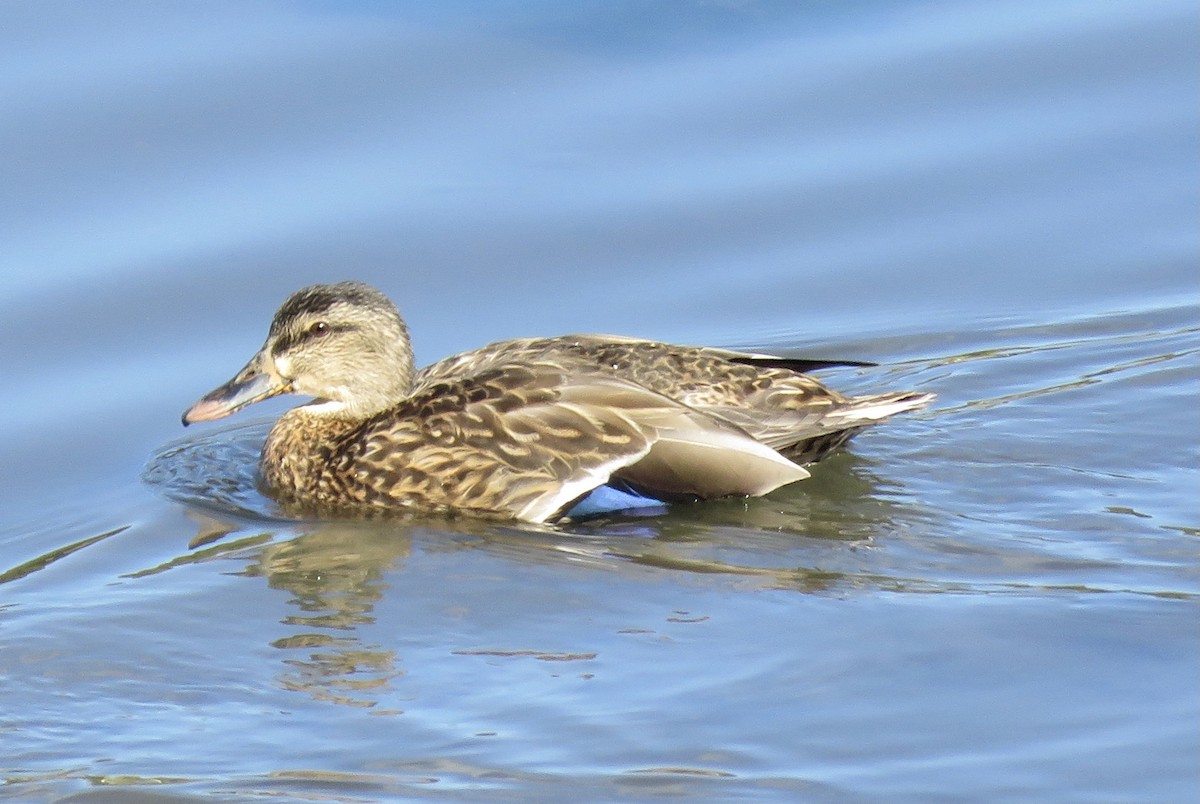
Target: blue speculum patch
x,y
609,500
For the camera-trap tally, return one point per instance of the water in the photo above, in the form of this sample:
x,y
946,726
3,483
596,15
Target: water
x,y
995,599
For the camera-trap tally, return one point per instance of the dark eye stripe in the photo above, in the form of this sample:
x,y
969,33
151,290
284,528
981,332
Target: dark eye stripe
x,y
293,339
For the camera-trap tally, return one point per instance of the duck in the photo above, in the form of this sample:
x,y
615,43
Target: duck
x,y
525,429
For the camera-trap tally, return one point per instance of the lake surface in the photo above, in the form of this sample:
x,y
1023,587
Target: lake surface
x,y
995,599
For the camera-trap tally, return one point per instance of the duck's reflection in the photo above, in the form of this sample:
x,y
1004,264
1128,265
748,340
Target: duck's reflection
x,y
336,572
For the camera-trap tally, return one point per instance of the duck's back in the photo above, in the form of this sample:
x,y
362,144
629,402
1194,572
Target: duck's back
x,y
765,396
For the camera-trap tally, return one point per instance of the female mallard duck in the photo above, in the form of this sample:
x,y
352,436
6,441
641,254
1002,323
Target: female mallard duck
x,y
524,428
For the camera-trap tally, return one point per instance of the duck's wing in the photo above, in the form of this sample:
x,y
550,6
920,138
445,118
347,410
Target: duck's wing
x,y
527,440
788,418
691,453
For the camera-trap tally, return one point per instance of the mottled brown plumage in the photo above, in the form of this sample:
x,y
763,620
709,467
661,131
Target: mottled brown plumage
x,y
524,428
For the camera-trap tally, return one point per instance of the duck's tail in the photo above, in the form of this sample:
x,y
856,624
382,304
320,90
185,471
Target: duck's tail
x,y
846,421
862,410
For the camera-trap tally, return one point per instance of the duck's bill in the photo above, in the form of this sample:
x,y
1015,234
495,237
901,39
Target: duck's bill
x,y
251,385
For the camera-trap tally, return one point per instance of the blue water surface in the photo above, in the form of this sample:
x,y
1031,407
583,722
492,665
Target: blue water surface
x,y
992,600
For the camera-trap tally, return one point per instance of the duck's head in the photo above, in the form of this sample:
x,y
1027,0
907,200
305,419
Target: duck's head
x,y
343,344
